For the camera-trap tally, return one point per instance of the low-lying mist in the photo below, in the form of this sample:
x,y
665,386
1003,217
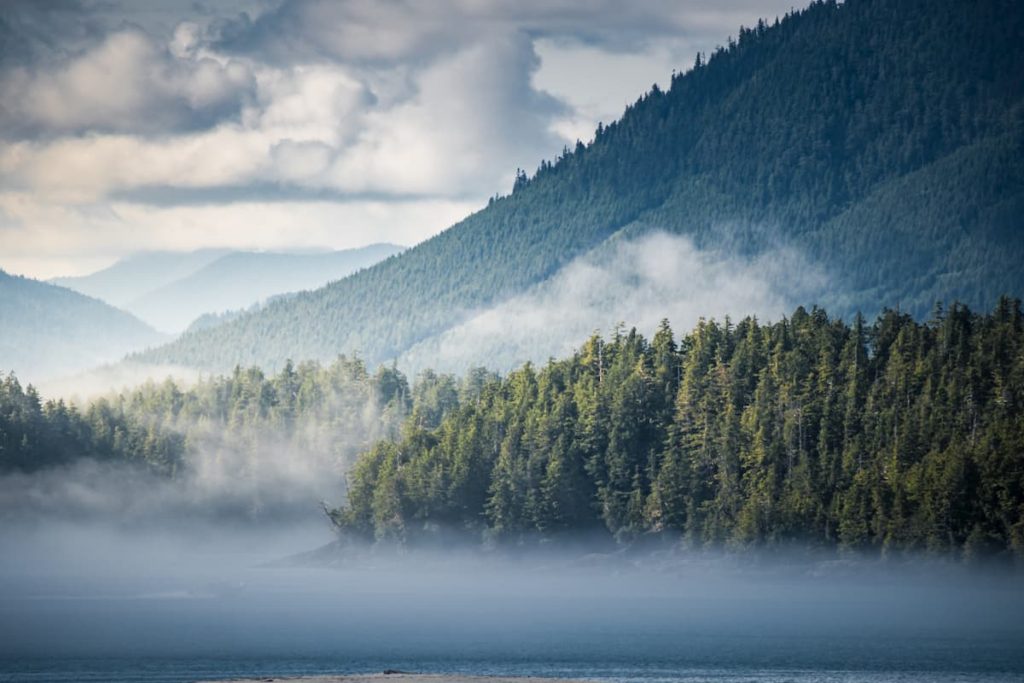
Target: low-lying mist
x,y
74,588
246,447
101,561
105,379
256,487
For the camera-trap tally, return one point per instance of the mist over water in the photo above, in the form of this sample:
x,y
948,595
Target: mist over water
x,y
110,599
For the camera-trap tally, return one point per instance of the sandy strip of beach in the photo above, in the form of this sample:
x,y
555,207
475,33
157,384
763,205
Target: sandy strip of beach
x,y
397,678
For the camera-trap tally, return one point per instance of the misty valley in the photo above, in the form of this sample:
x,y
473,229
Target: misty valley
x,y
729,389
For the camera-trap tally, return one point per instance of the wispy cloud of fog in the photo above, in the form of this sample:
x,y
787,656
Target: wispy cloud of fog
x,y
271,482
235,470
637,282
103,380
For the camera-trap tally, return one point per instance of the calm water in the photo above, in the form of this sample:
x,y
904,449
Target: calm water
x,y
175,670
83,607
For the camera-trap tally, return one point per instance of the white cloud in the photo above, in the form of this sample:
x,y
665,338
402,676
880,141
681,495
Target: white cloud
x,y
473,119
50,239
473,116
125,83
301,105
597,85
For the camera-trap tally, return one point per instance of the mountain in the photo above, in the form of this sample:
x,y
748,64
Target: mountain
x,y
239,279
883,140
170,290
130,277
50,331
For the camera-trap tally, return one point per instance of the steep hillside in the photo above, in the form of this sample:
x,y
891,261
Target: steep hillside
x,y
49,330
883,139
240,279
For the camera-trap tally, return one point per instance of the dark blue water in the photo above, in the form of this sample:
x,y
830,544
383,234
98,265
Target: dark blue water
x,y
159,609
175,670
810,668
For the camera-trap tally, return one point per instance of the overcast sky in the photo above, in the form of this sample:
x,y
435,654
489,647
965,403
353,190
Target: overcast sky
x,y
137,125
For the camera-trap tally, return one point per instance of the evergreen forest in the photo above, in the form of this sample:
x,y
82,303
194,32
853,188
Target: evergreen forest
x,y
883,437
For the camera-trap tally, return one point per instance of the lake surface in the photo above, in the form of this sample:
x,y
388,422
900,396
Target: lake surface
x,y
77,605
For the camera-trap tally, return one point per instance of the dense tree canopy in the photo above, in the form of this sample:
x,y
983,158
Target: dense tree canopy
x,y
893,436
36,435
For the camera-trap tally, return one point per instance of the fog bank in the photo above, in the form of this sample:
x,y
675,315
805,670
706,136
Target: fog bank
x,y
194,589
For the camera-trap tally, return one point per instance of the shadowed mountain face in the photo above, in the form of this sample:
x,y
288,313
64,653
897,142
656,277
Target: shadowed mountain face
x,y
49,330
170,290
881,141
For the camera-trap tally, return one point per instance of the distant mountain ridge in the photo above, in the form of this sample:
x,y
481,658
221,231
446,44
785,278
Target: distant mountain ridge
x,y
48,331
171,290
127,279
883,139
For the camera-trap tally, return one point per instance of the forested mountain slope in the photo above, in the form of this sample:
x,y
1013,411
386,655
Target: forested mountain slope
x,y
46,330
882,138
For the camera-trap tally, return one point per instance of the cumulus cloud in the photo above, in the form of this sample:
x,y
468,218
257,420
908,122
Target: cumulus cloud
x,y
320,126
485,92
125,83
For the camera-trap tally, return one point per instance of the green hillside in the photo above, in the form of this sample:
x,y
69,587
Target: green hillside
x,y
883,138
